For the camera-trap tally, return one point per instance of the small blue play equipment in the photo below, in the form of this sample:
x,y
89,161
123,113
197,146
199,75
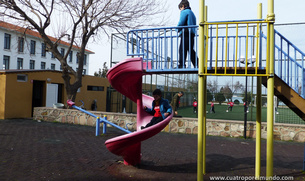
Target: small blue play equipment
x,y
98,120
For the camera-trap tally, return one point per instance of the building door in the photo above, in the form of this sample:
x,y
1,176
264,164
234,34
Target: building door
x,y
37,97
52,95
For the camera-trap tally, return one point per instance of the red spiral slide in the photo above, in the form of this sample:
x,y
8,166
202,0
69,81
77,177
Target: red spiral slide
x,y
126,78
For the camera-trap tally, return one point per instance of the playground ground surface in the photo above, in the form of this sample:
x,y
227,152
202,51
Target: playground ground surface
x,y
32,150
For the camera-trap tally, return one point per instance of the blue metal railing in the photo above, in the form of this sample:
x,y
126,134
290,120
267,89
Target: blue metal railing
x,y
159,47
289,63
162,50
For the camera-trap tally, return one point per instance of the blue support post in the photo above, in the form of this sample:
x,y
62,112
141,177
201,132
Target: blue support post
x,y
105,125
97,126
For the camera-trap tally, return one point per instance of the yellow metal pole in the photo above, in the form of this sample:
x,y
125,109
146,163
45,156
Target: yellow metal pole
x,y
205,95
236,48
270,95
226,51
201,95
216,49
258,105
246,58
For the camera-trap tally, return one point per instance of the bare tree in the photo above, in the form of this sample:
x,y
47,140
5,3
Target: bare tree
x,y
227,92
238,87
212,86
102,73
82,21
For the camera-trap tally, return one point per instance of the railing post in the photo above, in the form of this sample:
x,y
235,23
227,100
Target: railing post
x,y
104,125
211,46
303,79
97,126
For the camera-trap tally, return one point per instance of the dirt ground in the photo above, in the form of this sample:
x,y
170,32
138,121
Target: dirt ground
x,y
32,150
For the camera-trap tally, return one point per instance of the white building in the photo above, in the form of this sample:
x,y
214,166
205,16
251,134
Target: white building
x,y
22,48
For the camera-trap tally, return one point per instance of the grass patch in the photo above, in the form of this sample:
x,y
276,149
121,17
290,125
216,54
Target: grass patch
x,y
285,115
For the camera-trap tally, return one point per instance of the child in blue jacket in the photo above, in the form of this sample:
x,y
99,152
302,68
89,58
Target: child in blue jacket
x,y
187,35
160,109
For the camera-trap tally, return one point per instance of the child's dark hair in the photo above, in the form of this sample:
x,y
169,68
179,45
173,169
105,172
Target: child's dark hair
x,y
184,3
157,92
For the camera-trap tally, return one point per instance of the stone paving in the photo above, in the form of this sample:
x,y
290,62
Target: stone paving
x,y
32,150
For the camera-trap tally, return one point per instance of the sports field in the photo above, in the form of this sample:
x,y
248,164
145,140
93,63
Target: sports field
x,y
283,114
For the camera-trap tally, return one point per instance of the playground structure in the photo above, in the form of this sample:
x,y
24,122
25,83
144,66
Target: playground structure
x,y
224,49
229,49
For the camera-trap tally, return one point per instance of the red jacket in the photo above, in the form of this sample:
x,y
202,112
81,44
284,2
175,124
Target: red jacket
x,y
195,103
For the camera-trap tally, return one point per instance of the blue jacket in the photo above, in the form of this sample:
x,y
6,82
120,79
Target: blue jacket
x,y
164,107
187,17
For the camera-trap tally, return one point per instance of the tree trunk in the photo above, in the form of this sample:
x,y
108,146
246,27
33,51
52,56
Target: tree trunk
x,y
71,93
71,89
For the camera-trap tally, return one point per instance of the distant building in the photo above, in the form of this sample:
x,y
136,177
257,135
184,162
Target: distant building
x,y
31,77
21,48
22,90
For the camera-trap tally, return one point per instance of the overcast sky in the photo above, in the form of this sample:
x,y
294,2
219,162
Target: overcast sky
x,y
291,11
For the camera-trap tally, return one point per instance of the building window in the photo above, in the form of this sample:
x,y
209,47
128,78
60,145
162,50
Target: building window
x,y
43,65
77,54
60,67
52,66
20,44
52,55
33,47
62,52
6,62
43,49
22,78
19,63
7,41
84,71
71,56
32,64
95,88
85,59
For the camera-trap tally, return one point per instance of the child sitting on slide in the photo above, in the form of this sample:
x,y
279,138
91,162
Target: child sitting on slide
x,y
160,109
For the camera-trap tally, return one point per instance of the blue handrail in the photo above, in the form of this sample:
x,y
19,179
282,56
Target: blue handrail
x,y
290,63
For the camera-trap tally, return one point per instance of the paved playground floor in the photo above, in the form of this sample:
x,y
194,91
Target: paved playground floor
x,y
32,150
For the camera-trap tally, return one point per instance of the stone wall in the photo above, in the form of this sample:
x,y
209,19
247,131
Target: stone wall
x,y
285,132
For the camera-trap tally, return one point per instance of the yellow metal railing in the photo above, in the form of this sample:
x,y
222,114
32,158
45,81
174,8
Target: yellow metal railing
x,y
234,57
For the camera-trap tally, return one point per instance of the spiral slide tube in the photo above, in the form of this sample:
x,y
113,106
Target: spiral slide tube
x,y
126,78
